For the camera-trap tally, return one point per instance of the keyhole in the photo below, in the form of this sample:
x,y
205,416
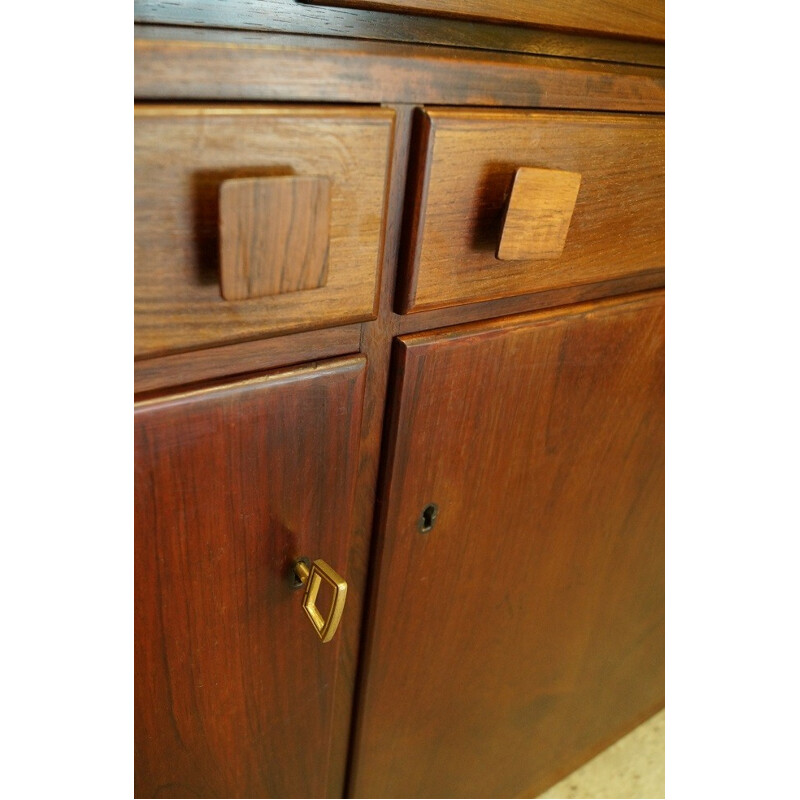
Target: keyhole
x,y
428,518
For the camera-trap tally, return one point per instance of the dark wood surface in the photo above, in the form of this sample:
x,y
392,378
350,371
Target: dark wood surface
x,y
239,359
182,156
375,345
234,691
525,630
248,357
427,320
637,18
184,63
462,175
289,16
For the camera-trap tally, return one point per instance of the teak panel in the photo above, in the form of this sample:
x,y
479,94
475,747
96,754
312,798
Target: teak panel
x,y
289,16
525,631
231,360
273,235
462,177
193,63
538,214
234,693
635,18
185,153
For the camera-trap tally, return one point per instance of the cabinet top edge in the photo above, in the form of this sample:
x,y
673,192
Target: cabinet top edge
x,y
289,16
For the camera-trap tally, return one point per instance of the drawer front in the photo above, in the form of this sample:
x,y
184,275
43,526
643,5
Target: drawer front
x,y
639,18
251,222
507,203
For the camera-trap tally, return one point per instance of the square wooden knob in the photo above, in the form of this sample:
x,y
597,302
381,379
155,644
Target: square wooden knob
x,y
273,235
538,214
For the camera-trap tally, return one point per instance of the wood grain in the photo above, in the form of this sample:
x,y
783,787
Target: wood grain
x,y
528,625
183,154
234,692
246,357
538,214
202,65
273,235
637,18
376,345
520,304
462,176
193,63
289,16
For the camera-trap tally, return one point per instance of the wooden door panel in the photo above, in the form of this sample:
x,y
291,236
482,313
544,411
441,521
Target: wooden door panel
x,y
524,632
234,692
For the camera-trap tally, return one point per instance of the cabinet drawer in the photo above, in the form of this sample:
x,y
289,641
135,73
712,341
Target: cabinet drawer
x,y
251,222
479,229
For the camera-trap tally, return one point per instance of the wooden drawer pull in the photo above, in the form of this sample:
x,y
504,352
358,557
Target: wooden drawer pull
x,y
274,235
538,214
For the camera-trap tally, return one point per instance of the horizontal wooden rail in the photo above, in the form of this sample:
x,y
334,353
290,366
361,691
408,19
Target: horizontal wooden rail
x,y
210,64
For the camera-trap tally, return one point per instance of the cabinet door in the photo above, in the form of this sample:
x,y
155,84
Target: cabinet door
x,y
524,631
234,692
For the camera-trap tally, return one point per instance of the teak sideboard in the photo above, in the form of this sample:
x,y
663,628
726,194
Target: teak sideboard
x,y
399,370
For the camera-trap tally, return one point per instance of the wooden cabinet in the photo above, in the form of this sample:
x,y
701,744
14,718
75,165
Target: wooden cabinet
x,y
399,306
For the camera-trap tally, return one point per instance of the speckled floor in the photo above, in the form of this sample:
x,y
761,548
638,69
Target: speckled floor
x,y
633,767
